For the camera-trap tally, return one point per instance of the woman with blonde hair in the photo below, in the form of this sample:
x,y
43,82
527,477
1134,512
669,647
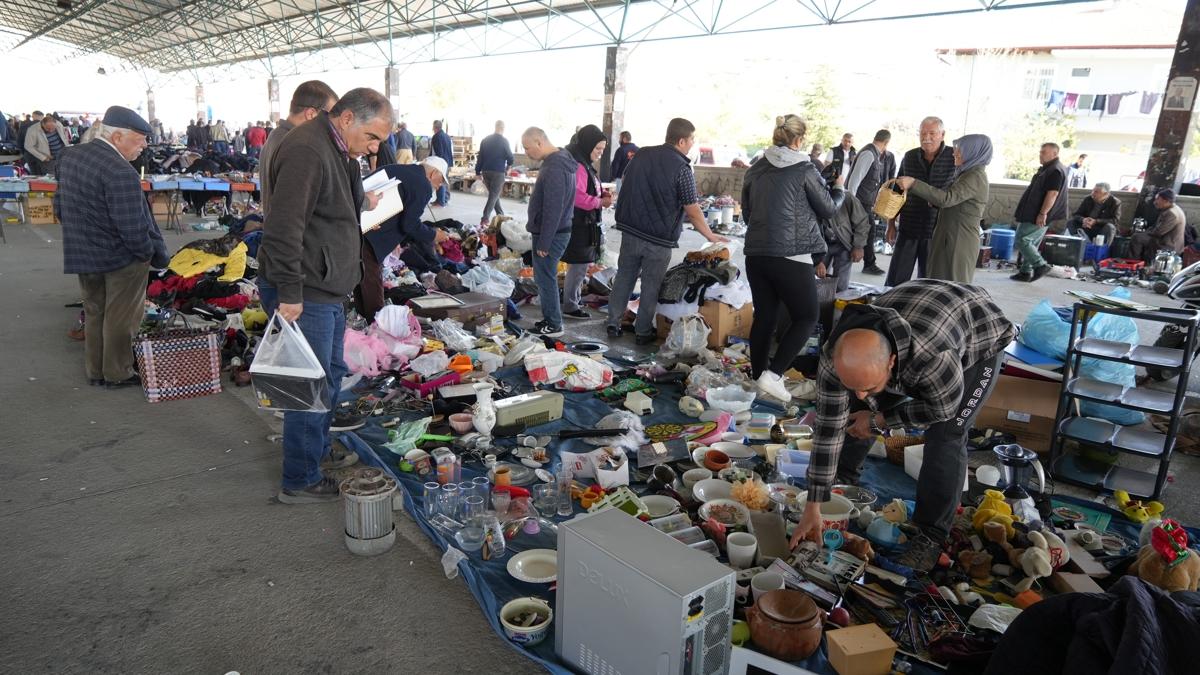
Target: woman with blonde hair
x,y
784,200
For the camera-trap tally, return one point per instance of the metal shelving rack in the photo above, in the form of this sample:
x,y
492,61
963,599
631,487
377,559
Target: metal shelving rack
x,y
1106,435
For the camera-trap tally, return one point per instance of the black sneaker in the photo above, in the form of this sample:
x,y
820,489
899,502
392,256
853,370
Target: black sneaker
x,y
922,554
648,339
343,421
96,382
1022,276
339,457
1040,272
576,314
130,381
614,331
873,269
325,490
544,329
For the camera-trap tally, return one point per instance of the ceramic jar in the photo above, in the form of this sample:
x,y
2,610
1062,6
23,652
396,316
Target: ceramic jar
x,y
785,624
485,409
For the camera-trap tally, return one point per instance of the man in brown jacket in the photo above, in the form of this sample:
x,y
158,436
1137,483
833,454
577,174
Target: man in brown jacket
x,y
1167,233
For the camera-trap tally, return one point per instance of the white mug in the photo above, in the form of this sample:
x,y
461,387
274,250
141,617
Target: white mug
x,y
741,547
765,582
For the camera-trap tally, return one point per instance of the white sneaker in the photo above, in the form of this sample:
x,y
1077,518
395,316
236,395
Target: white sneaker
x,y
771,384
805,390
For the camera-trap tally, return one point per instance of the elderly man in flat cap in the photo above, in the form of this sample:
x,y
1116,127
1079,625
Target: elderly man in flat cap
x,y
110,240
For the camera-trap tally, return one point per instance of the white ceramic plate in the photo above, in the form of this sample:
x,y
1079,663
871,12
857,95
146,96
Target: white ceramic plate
x,y
660,506
782,493
741,513
734,450
535,566
712,488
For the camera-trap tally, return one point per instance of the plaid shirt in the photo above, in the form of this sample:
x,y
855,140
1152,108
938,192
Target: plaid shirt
x,y
939,329
106,222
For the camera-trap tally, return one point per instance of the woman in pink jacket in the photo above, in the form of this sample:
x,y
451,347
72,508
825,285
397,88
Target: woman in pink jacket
x,y
590,201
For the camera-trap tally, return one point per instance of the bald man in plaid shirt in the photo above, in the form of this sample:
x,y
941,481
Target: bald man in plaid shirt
x,y
925,354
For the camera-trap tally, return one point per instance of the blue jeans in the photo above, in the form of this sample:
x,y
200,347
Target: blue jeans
x,y
545,273
306,435
443,195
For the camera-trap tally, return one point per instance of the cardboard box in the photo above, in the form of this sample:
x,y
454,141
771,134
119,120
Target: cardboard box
x,y
160,204
40,211
861,650
723,320
1024,408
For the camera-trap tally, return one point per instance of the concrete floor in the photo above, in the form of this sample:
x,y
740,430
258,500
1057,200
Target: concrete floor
x,y
144,538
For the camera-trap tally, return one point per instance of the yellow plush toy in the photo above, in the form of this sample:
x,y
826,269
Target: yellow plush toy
x,y
993,509
1135,509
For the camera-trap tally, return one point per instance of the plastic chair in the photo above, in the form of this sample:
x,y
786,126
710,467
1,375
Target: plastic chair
x,y
10,172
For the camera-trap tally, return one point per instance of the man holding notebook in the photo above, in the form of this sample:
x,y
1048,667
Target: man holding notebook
x,y
309,260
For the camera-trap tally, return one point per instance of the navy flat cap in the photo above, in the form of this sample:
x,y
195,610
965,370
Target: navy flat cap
x,y
124,118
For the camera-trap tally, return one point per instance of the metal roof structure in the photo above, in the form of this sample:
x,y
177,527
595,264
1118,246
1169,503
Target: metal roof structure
x,y
282,36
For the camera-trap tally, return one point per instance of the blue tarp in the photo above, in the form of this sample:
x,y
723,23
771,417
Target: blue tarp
x,y
490,582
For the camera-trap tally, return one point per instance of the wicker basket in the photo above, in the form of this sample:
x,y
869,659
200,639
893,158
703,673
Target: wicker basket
x,y
888,203
895,446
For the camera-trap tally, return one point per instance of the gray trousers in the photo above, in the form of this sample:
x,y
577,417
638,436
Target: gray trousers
x,y
573,285
638,258
494,181
837,264
113,307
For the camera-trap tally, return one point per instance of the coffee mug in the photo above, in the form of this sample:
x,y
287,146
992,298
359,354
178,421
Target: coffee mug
x,y
741,547
765,582
836,513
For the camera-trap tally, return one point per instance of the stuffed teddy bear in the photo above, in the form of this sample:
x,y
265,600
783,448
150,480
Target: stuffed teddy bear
x,y
993,509
1135,509
1167,562
1035,561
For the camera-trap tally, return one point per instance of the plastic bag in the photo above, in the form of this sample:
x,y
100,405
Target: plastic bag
x,y
1046,332
732,399
479,187
484,279
688,336
450,333
567,371
701,380
286,373
364,353
634,436
430,364
516,237
399,330
450,560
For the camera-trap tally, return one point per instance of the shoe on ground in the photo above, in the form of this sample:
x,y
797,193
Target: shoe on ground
x,y
771,384
96,381
614,331
76,334
873,269
922,554
576,314
1040,272
546,330
127,382
805,390
648,339
339,457
1022,276
326,490
344,421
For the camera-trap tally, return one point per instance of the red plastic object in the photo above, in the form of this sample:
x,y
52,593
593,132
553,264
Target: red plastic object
x,y
514,491
426,388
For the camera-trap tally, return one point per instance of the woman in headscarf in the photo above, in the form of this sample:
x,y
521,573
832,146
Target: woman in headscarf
x,y
584,248
954,247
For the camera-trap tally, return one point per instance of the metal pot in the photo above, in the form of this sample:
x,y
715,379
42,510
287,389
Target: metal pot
x,y
786,624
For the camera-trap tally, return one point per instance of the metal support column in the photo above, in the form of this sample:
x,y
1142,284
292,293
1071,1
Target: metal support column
x,y
273,98
150,108
616,60
1175,121
391,89
200,108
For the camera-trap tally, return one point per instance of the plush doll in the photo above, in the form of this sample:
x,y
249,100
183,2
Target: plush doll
x,y
884,533
1167,562
895,511
1135,509
1034,561
993,509
858,547
1059,555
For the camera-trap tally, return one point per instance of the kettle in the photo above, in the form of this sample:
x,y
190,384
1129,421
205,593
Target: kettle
x,y
1167,263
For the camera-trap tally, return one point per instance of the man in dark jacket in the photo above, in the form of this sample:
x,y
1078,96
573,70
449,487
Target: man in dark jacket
x,y
660,191
625,152
406,144
309,99
310,259
1043,202
1098,214
550,209
440,145
491,165
839,160
846,235
909,233
863,182
110,240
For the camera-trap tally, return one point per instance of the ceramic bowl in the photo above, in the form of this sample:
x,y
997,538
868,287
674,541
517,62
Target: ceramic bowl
x,y
715,460
734,450
462,422
693,476
660,506
527,636
712,488
738,511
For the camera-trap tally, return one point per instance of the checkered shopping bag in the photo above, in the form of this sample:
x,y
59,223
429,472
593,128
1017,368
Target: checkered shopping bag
x,y
179,363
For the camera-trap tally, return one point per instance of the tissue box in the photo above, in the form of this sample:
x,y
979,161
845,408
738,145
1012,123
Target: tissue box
x,y
861,650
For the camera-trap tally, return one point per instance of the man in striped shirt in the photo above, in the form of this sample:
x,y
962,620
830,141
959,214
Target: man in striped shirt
x,y
44,145
925,354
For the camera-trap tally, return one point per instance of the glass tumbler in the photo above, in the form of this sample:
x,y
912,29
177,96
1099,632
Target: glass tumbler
x,y
472,507
465,489
564,478
448,500
545,498
483,486
431,498
500,502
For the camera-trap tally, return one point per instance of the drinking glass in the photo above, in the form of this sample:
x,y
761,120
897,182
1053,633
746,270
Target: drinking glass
x,y
500,502
545,498
448,500
564,478
483,486
465,489
472,506
431,498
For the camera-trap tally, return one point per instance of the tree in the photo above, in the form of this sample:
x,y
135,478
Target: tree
x,y
1024,140
819,103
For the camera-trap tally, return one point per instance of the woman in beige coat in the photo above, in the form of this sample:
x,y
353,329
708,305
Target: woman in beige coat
x,y
954,246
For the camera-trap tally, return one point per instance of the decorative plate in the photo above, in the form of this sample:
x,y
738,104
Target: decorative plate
x,y
535,566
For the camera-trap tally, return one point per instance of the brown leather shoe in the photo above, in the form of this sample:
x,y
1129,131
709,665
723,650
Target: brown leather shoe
x,y
76,334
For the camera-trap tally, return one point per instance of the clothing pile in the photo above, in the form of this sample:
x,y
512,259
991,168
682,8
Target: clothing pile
x,y
205,277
